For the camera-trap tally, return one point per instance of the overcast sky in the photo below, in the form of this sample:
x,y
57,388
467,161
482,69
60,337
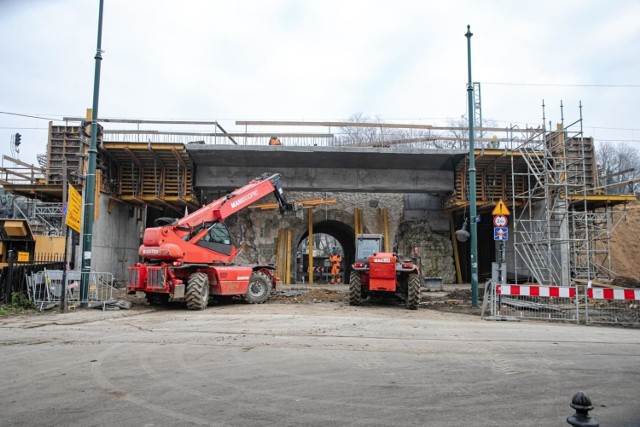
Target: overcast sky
x,y
401,60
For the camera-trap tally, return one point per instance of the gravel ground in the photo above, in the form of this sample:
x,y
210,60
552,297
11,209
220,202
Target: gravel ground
x,y
309,363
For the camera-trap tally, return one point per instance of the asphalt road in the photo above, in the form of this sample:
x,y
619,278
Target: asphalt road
x,y
306,365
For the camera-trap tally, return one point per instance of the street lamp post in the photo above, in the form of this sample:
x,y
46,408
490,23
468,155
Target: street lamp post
x,y
472,182
90,179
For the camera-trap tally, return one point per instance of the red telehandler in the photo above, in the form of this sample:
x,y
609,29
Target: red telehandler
x,y
191,258
382,274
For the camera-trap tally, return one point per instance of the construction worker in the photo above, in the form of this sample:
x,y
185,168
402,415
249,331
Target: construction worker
x,y
336,260
274,141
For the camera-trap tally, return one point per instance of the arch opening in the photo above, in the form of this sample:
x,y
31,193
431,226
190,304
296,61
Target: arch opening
x,y
328,234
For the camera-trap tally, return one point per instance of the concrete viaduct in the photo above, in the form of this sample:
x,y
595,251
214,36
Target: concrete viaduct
x,y
340,169
369,176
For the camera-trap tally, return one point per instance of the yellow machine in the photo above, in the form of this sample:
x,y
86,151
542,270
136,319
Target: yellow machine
x,y
16,235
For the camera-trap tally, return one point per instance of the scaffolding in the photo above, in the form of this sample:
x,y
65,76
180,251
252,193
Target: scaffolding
x,y
562,231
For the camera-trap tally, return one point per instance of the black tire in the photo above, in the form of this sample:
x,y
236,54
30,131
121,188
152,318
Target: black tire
x,y
155,298
355,289
198,291
413,292
259,288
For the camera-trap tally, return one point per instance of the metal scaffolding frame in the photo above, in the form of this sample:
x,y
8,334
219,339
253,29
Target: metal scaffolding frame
x,y
562,229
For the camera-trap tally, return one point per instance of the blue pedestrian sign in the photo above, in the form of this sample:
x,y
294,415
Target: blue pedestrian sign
x,y
500,233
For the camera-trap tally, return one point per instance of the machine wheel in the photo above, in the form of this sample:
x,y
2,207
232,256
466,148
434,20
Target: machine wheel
x,y
155,298
198,291
355,289
259,288
413,292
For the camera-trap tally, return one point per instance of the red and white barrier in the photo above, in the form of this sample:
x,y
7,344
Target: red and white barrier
x,y
536,291
567,292
614,294
565,303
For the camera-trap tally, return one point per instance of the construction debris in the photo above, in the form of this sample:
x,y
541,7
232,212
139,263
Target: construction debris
x,y
112,305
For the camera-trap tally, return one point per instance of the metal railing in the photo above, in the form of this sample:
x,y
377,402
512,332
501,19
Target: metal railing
x,y
557,303
45,288
611,306
580,303
13,276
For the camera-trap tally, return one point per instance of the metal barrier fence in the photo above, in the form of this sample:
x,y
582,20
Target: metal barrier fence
x,y
562,303
612,306
45,288
12,277
535,302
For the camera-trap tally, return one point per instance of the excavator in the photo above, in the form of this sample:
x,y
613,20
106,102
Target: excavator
x,y
191,259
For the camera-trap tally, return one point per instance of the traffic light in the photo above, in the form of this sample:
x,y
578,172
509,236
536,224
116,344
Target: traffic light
x,y
17,139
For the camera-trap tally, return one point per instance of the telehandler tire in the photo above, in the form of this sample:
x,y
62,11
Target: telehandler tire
x,y
198,291
413,292
259,288
355,289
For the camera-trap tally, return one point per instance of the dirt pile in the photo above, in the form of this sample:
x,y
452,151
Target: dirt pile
x,y
458,301
625,243
309,296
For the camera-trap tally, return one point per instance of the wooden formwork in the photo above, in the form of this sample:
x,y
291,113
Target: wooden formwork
x,y
159,174
66,150
495,179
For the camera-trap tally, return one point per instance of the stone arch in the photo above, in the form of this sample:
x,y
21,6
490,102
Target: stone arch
x,y
343,233
334,222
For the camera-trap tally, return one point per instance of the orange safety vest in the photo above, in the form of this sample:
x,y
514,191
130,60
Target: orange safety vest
x,y
335,259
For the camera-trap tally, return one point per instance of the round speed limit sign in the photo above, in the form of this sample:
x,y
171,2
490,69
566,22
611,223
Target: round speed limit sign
x,y
500,221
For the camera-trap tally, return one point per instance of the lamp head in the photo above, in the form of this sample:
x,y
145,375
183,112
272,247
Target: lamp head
x,y
463,235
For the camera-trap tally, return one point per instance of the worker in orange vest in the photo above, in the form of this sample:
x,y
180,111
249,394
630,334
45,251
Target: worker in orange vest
x,y
336,260
274,141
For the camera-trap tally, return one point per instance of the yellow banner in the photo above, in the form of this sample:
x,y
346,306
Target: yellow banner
x,y
74,209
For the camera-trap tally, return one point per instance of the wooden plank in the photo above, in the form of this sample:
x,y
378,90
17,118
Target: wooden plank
x,y
374,125
141,121
21,163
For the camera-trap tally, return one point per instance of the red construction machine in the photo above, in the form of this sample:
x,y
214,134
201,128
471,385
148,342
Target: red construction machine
x,y
191,258
382,274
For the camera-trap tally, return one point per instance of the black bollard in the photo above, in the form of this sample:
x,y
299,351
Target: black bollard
x,y
582,404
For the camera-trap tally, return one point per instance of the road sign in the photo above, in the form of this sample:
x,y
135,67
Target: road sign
x,y
500,221
500,233
501,209
74,209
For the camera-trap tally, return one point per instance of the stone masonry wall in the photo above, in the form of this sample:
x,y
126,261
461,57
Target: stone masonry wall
x,y
260,228
435,251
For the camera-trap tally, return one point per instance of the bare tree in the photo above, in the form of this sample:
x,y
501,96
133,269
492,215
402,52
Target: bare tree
x,y
359,134
461,135
381,136
618,166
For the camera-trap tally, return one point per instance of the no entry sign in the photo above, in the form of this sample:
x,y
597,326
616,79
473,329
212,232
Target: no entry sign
x,y
500,221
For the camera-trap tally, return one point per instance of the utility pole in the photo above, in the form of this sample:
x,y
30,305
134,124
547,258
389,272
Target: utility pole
x,y
90,179
472,182
65,196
